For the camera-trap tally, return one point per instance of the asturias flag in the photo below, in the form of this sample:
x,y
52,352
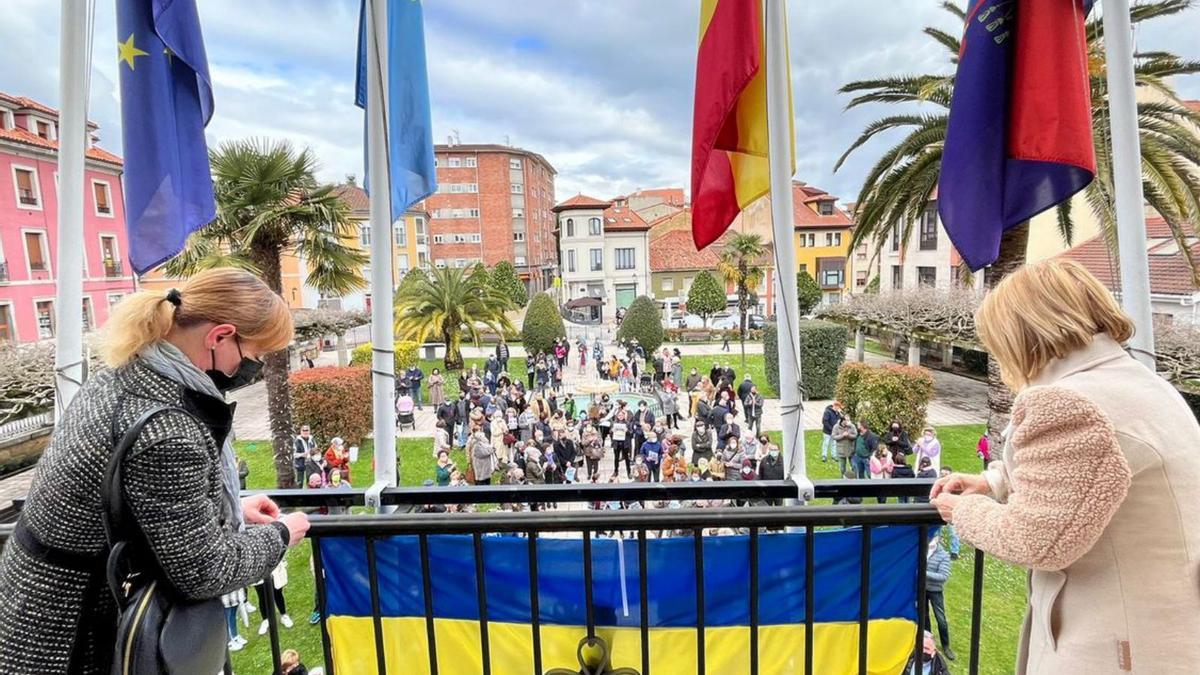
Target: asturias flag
x,y
166,100
409,129
1019,139
729,129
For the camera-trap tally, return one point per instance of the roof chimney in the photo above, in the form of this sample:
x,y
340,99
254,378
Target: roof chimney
x,y
350,178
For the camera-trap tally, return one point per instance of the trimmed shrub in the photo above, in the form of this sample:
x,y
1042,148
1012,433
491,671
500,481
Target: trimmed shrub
x,y
480,271
504,277
333,401
643,321
706,296
808,293
543,324
406,354
878,395
822,351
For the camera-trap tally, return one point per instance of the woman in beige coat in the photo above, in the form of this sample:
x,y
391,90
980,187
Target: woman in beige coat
x,y
1097,488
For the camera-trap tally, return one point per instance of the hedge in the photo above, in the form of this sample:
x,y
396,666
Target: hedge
x,y
708,334
504,277
878,395
333,402
543,324
406,355
643,322
822,352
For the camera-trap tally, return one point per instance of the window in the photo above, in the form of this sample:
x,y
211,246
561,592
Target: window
x,y
896,237
927,276
860,279
102,195
114,299
87,314
109,255
472,213
837,238
44,311
436,162
625,258
7,332
420,223
400,233
454,161
571,260
597,259
594,226
518,236
28,194
441,263
460,262
831,272
42,130
439,238
956,277
826,208
667,284
518,213
517,188
804,267
570,227
897,277
831,278
470,162
514,163
519,261
808,239
475,238
36,253
829,239
929,235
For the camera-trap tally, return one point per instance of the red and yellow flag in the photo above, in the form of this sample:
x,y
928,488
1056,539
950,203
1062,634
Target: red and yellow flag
x,y
729,130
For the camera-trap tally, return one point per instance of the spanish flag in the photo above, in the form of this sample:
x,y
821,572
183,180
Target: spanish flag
x,y
729,127
676,623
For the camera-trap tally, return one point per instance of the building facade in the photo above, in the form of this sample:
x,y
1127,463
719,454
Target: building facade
x,y
604,252
822,239
494,203
925,258
29,224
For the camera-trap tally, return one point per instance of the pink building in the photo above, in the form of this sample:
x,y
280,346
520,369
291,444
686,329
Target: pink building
x,y
29,224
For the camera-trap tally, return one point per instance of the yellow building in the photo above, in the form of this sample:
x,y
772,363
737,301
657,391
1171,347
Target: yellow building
x,y
822,239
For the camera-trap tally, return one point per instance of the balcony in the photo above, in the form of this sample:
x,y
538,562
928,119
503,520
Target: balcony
x,y
3,271
112,269
27,197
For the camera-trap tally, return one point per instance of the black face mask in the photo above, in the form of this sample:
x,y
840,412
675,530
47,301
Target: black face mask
x,y
246,371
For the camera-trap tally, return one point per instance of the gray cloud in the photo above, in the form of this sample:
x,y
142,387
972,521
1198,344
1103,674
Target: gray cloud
x,y
602,88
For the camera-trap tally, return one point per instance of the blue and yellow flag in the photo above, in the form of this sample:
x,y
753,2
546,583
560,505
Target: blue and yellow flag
x,y
671,602
166,100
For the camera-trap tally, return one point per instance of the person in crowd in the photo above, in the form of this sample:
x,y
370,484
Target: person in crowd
x,y
983,450
771,468
702,441
233,602
714,375
642,419
445,413
732,456
949,529
498,434
928,447
725,340
1098,477
316,465
445,467
502,354
924,470
829,419
243,472
849,475
582,348
403,384
593,448
302,447
565,450
937,573
881,465
677,366
844,433
716,467
864,446
901,469
338,479
744,388
483,458
278,581
441,438
726,399
183,348
621,439
674,467
752,406
729,430
932,662
651,453
462,416
437,389
535,471
896,438
289,663
416,377
748,472
337,456
531,370
668,399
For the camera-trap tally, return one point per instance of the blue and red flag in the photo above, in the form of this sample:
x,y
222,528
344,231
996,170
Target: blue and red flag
x,y
1019,139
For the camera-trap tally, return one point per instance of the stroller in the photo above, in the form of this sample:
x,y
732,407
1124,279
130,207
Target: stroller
x,y
404,413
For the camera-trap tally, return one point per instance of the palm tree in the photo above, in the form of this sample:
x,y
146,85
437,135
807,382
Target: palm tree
x,y
450,304
269,203
898,187
741,265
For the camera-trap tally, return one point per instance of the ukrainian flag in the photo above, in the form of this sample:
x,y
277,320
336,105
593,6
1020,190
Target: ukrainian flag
x,y
671,602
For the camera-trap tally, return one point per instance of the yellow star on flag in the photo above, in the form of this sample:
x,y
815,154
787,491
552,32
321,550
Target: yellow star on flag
x,y
126,51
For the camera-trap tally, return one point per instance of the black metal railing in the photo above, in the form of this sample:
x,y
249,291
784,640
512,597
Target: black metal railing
x,y
753,520
4,270
112,268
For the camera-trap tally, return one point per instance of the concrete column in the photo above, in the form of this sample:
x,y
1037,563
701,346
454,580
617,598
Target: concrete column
x,y
293,358
860,344
914,351
948,355
342,356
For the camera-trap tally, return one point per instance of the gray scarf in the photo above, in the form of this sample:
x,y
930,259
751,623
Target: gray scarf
x,y
167,360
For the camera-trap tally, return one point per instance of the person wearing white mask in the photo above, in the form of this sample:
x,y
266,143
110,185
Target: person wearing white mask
x,y
928,446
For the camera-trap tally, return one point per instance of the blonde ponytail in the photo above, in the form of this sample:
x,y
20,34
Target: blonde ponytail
x,y
221,295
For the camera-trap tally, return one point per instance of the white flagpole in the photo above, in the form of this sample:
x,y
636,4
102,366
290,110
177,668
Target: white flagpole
x,y
780,141
382,332
1127,179
69,370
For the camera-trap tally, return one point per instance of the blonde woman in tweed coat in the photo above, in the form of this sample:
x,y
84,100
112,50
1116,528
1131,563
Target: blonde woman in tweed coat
x,y
179,349
1097,488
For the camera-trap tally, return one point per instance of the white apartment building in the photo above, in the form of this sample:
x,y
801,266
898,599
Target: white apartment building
x,y
604,252
927,259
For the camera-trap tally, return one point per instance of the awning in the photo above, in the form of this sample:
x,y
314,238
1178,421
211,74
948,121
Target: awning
x,y
578,303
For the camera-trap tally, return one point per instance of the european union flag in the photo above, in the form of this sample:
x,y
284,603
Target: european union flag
x,y
166,100
1019,137
406,110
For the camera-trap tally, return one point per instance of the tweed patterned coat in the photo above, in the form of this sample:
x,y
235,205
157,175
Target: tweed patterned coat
x,y
59,619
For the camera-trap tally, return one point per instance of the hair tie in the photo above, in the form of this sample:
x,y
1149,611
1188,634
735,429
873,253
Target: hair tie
x,y
175,297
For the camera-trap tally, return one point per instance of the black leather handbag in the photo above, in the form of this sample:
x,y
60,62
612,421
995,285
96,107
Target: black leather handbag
x,y
158,631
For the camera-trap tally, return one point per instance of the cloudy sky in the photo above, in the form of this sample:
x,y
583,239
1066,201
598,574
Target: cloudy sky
x,y
602,88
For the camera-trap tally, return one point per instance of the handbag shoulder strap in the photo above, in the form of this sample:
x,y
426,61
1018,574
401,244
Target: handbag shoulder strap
x,y
112,499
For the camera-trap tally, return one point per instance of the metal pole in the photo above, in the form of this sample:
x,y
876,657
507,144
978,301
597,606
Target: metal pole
x,y
1127,178
72,142
780,141
382,335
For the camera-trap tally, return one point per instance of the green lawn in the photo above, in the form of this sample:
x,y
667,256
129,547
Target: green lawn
x,y
1004,585
754,365
516,370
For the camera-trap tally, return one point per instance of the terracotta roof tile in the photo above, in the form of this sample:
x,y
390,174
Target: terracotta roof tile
x,y
672,196
805,217
25,137
675,251
1169,270
581,201
355,197
623,219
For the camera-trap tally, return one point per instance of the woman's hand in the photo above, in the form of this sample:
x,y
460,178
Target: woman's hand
x,y
297,525
945,504
960,484
259,510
